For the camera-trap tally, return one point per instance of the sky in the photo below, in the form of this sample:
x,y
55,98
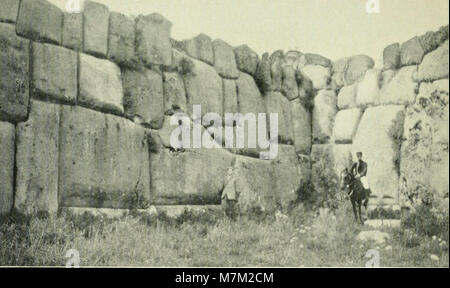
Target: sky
x,y
332,28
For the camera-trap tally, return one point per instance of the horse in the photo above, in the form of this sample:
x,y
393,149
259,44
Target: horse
x,y
355,190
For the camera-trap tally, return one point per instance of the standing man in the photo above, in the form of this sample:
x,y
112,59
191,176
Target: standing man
x,y
359,170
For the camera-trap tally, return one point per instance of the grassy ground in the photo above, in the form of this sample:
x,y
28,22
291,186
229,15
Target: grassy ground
x,y
304,239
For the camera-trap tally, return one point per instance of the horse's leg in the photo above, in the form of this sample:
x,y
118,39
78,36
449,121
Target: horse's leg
x,y
354,209
359,210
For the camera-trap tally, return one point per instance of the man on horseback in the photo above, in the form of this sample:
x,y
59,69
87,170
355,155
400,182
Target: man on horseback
x,y
359,171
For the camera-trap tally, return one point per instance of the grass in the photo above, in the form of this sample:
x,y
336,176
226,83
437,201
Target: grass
x,y
302,239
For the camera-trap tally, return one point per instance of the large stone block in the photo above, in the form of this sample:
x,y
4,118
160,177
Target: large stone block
x,y
289,86
153,45
254,185
345,125
9,10
276,69
204,87
230,101
14,80
434,65
400,89
263,76
100,84
121,39
54,73
295,59
7,142
411,52
346,98
104,161
37,160
315,59
379,138
287,176
224,59
200,47
174,93
96,23
431,40
391,56
246,59
319,75
277,103
301,124
350,70
143,97
342,157
40,20
424,154
200,176
72,31
323,115
368,91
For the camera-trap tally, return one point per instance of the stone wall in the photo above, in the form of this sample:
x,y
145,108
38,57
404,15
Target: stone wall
x,y
86,100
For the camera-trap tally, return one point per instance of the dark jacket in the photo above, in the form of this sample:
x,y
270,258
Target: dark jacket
x,y
361,170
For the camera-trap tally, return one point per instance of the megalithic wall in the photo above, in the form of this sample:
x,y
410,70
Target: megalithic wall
x,y
86,100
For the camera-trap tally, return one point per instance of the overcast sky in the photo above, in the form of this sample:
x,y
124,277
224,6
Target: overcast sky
x,y
332,28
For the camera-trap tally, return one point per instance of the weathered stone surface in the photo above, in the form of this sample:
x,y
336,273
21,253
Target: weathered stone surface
x,y
104,161
9,10
200,176
230,101
287,175
301,124
254,184
434,65
289,86
277,103
346,98
14,82
143,97
263,76
249,101
377,138
345,125
249,97
349,70
246,59
305,168
100,84
368,91
72,31
305,87
224,59
411,52
357,67
54,73
315,59
7,140
342,157
295,59
121,39
391,56
400,89
373,236
323,115
431,40
96,23
153,45
424,154
276,70
174,93
37,160
40,20
204,87
200,48
319,75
